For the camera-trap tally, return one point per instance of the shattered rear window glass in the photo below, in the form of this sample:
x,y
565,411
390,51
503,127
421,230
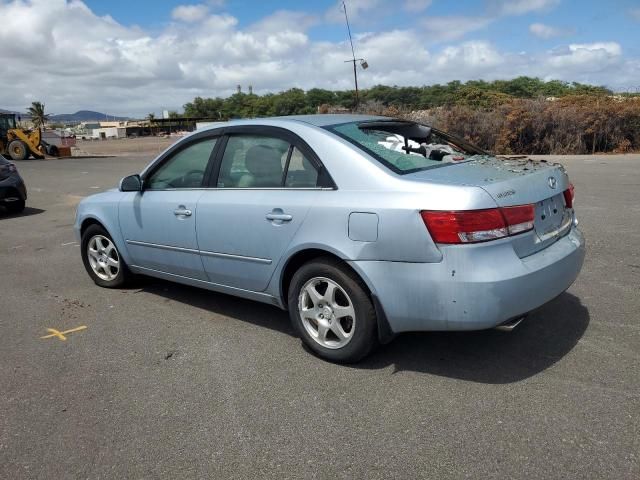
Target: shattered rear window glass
x,y
391,148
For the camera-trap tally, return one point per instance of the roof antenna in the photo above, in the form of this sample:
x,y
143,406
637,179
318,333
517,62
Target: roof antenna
x,y
363,62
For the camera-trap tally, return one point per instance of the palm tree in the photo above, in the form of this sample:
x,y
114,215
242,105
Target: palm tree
x,y
38,117
151,118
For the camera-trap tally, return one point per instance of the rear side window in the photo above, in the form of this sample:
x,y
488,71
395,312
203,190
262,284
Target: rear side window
x,y
257,161
301,173
403,147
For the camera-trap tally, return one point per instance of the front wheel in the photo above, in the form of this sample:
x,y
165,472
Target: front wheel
x,y
18,150
332,312
102,259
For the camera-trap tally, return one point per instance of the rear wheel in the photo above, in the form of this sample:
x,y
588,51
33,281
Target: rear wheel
x,y
18,150
332,312
102,259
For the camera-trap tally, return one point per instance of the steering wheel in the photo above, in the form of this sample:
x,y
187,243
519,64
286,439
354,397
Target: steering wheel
x,y
188,179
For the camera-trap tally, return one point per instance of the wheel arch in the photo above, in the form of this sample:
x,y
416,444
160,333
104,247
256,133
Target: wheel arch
x,y
299,258
87,222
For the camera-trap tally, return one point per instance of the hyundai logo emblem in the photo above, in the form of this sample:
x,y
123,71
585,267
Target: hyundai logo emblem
x,y
552,182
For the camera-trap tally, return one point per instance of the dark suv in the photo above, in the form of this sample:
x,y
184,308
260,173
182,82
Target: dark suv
x,y
13,193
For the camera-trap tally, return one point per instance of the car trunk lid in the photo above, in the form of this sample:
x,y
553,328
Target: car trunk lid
x,y
515,180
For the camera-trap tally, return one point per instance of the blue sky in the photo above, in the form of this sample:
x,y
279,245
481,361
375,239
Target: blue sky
x,y
131,57
590,20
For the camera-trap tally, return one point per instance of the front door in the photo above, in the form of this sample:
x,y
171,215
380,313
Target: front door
x,y
263,192
159,223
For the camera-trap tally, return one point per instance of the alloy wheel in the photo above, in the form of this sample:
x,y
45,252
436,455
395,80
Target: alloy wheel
x,y
103,257
327,312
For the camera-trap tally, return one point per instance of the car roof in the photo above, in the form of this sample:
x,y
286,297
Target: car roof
x,y
322,120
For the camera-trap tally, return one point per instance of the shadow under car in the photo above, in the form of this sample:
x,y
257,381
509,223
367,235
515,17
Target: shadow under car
x,y
486,356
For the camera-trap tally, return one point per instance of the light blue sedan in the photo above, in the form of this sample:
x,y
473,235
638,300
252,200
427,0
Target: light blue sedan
x,y
361,227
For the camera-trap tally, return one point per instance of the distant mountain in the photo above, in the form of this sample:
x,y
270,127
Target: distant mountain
x,y
85,116
80,116
2,110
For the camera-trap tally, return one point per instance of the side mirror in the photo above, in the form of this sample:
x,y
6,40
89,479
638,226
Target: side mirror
x,y
132,183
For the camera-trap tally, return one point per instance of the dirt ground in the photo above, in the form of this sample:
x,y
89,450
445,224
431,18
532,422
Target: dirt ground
x,y
140,146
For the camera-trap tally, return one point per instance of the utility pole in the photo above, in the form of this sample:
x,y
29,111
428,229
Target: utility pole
x,y
362,61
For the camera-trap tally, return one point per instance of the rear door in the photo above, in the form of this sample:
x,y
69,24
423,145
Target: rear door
x,y
159,223
264,182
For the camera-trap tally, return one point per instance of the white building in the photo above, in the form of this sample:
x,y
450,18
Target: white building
x,y
108,132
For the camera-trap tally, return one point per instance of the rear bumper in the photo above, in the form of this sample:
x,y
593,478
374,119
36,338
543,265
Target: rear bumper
x,y
474,287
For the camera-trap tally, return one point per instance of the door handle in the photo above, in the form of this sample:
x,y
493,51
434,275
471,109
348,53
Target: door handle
x,y
278,216
182,212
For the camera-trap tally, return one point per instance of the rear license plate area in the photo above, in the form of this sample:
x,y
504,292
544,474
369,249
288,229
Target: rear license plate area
x,y
551,217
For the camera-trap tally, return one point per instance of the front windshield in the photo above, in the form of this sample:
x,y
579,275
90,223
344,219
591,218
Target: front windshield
x,y
403,147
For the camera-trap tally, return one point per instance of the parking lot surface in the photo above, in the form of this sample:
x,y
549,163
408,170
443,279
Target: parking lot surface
x,y
169,381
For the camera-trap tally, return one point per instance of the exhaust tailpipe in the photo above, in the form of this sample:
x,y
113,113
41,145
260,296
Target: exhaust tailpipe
x,y
509,325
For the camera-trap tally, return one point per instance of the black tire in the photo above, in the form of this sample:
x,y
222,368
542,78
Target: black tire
x,y
15,207
123,275
52,150
364,331
18,150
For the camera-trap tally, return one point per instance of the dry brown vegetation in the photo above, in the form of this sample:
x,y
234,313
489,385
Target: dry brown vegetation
x,y
520,115
576,124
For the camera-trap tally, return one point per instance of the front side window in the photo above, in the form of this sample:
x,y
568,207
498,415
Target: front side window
x,y
185,169
258,161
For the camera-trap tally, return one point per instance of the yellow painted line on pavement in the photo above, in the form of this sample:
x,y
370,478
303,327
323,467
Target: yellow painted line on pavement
x,y
61,335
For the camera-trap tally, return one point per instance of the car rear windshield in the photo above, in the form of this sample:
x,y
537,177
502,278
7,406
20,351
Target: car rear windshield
x,y
403,147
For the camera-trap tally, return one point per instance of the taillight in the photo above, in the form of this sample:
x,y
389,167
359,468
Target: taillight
x,y
569,195
471,226
519,219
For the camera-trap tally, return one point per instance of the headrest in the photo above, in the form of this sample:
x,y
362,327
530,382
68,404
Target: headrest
x,y
261,160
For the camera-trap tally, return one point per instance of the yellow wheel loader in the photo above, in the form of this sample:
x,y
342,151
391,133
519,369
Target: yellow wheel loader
x,y
18,143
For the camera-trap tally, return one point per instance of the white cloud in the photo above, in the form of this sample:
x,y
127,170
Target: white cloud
x,y
439,29
92,62
357,10
285,20
477,56
416,5
635,13
190,13
541,30
588,57
447,28
520,7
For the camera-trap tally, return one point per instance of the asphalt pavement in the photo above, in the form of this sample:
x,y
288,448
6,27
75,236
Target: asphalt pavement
x,y
169,381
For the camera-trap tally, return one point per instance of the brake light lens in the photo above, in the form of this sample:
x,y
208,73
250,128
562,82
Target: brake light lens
x,y
472,226
569,195
518,219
